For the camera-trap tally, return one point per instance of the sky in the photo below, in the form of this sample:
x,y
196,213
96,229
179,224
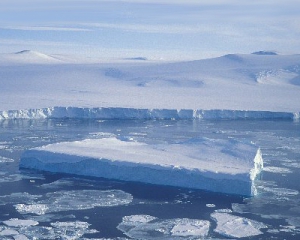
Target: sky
x,y
155,29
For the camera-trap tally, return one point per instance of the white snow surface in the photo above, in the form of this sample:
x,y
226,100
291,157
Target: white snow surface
x,y
232,86
225,166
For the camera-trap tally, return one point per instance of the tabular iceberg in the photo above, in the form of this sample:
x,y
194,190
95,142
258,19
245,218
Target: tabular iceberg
x,y
226,166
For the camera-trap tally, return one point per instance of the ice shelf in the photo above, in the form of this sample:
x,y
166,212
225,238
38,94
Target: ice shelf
x,y
226,166
137,113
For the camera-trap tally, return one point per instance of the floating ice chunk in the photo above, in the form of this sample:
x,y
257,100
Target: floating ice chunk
x,y
210,205
8,232
18,198
50,217
190,227
277,170
292,164
20,237
73,230
281,191
59,230
226,210
75,200
4,159
38,209
10,178
233,226
132,221
86,199
39,232
148,227
226,166
58,183
294,221
15,222
27,229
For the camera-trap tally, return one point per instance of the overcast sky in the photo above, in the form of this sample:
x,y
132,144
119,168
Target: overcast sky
x,y
165,29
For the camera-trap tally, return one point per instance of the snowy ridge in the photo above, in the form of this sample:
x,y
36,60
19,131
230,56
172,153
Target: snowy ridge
x,y
134,113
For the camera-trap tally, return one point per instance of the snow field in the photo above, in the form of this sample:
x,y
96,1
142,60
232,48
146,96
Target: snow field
x,y
33,82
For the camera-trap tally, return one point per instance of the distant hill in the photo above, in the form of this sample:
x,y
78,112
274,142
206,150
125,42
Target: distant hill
x,y
265,53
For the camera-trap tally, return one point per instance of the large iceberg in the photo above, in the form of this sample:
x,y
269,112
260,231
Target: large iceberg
x,y
226,166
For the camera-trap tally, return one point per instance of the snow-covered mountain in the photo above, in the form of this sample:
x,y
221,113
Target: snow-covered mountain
x,y
28,57
257,82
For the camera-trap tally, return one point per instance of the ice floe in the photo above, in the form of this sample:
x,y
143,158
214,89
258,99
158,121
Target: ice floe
x,y
148,227
28,229
5,159
21,197
75,200
10,177
210,205
277,170
234,226
15,222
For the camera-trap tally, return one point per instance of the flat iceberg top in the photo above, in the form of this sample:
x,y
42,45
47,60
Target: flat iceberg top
x,y
202,154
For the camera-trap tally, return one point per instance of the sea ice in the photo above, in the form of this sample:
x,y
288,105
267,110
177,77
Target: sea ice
x,y
75,200
8,232
226,166
233,226
38,209
281,191
28,229
15,198
59,230
49,217
15,222
5,160
210,205
10,178
148,227
277,170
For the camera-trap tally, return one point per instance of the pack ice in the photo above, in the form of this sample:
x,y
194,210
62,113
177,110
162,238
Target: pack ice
x,y
226,166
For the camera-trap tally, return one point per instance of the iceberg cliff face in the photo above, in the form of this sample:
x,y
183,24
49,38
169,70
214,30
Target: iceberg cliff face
x,y
135,113
214,165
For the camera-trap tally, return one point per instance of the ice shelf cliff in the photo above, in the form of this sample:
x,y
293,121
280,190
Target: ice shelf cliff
x,y
137,113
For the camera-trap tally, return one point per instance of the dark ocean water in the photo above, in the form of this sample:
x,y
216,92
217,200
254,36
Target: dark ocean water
x,y
71,207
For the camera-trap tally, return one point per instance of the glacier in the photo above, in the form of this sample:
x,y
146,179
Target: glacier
x,y
226,166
